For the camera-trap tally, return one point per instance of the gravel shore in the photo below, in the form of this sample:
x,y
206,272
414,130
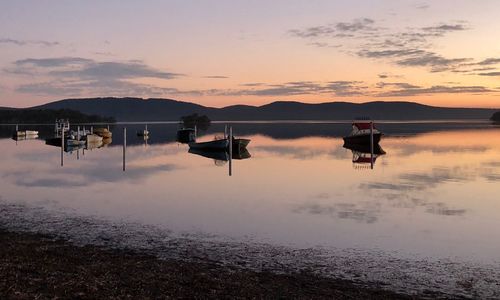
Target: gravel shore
x,y
34,266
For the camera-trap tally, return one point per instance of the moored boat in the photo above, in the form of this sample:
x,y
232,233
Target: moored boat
x,y
361,133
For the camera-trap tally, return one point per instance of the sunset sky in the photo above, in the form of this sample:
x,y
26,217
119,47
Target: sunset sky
x,y
225,52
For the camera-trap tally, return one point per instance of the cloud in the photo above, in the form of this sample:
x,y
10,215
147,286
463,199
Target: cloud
x,y
364,24
437,62
443,28
406,90
489,61
338,88
422,6
28,42
75,76
252,84
216,77
490,74
84,68
410,47
339,29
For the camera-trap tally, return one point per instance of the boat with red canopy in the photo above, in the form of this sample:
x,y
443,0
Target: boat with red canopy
x,y
361,131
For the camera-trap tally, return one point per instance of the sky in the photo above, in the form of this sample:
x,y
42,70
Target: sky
x,y
226,52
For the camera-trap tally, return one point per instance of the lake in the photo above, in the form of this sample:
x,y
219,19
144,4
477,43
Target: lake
x,y
425,216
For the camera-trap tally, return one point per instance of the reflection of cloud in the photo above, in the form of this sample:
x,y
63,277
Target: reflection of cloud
x,y
360,212
442,209
49,182
296,152
407,149
86,175
421,181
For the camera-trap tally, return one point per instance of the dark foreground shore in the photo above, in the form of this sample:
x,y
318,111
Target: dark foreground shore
x,y
35,266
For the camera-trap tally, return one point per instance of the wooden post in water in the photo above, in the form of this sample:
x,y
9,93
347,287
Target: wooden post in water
x,y
78,138
371,144
230,151
91,129
124,145
62,149
17,128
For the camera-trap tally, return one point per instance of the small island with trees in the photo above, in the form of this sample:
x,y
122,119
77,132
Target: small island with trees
x,y
496,117
201,122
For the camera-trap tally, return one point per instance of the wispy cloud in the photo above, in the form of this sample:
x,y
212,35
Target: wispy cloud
x,y
28,42
339,29
490,74
75,76
411,47
408,90
216,77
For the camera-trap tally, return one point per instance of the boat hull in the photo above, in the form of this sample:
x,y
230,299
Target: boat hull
x,y
362,139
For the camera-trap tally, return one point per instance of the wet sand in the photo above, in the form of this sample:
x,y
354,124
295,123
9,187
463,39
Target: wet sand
x,y
42,267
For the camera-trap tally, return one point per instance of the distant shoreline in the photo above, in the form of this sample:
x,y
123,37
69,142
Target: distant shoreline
x,y
437,121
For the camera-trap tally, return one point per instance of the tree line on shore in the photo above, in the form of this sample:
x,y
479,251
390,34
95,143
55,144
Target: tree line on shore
x,y
23,116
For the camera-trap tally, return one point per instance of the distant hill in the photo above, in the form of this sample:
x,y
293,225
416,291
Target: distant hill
x,y
137,109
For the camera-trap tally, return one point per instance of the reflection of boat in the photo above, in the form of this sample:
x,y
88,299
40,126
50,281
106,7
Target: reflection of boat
x,y
213,154
107,141
93,138
361,132
103,132
240,144
24,137
186,135
143,133
25,133
94,144
219,144
361,154
221,155
241,154
364,148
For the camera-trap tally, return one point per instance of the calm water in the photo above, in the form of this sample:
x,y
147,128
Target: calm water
x,y
434,194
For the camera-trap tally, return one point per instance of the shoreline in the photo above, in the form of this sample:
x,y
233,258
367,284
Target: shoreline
x,y
40,266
